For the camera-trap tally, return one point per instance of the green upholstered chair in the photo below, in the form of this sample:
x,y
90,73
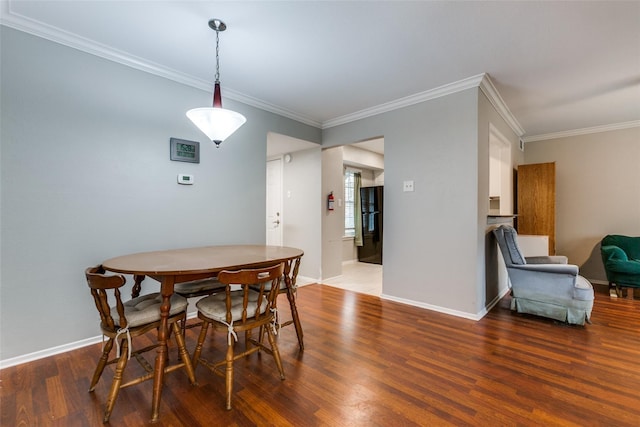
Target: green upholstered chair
x,y
545,286
621,259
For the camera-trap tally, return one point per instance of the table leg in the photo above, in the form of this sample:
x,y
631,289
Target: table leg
x,y
290,280
166,291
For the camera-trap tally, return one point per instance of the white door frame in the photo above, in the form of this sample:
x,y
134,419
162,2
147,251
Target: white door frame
x,y
274,224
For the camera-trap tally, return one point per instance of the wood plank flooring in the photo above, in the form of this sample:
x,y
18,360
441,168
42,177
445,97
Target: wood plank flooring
x,y
370,362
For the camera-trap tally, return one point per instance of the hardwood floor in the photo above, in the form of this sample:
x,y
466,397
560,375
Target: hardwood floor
x,y
370,362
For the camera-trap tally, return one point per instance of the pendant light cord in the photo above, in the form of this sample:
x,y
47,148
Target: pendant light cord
x,y
217,56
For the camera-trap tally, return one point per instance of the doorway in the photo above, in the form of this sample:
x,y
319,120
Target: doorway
x,y
274,202
292,200
341,264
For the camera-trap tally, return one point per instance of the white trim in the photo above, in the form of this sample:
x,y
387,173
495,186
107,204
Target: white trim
x,y
56,35
19,22
494,302
30,357
254,102
270,165
417,98
301,281
483,81
351,169
41,354
583,131
487,87
304,281
431,307
445,310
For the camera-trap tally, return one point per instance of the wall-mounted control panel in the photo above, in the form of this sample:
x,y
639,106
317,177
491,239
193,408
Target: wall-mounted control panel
x,y
185,179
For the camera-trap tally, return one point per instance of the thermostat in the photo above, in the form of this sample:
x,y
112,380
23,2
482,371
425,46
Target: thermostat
x,y
185,179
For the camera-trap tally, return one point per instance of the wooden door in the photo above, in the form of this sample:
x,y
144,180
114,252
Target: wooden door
x,y
537,201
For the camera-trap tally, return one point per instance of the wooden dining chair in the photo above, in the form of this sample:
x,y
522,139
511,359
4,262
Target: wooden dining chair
x,y
240,310
197,288
191,289
288,287
122,321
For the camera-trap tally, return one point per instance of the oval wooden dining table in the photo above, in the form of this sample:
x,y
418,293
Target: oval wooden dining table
x,y
183,265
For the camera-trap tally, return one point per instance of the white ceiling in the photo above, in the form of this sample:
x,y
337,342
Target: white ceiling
x,y
558,66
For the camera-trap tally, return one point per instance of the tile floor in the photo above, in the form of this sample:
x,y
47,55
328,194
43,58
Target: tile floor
x,y
359,277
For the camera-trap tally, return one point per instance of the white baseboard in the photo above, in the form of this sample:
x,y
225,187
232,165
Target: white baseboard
x,y
493,303
303,280
41,354
30,357
449,311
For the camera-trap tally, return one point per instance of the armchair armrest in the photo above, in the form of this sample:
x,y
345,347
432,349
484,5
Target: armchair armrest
x,y
543,282
547,259
568,269
611,253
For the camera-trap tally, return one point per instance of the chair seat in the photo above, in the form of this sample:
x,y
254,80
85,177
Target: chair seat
x,y
631,266
267,287
198,287
215,307
146,309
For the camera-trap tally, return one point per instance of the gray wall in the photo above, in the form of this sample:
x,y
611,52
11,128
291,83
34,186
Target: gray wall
x,y
597,191
490,266
332,221
437,237
86,176
430,234
302,209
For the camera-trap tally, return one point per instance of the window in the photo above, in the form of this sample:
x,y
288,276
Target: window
x,y
349,203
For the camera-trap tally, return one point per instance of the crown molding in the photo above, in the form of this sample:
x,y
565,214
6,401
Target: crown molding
x,y
583,131
56,35
19,22
483,81
255,102
406,101
487,87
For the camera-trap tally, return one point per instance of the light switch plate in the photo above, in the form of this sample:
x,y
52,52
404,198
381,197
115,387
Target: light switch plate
x,y
408,186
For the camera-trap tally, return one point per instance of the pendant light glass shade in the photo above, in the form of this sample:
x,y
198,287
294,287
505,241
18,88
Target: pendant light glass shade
x,y
216,122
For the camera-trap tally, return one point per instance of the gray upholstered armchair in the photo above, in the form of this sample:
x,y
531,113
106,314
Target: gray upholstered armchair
x,y
545,286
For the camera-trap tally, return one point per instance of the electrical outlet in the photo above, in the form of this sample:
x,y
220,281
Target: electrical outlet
x,y
408,186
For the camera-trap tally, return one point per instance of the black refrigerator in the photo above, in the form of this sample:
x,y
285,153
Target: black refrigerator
x,y
371,202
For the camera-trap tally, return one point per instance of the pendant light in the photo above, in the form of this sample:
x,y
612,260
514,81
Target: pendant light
x,y
216,122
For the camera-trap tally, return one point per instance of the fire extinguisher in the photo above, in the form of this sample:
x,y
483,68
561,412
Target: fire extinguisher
x,y
330,201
